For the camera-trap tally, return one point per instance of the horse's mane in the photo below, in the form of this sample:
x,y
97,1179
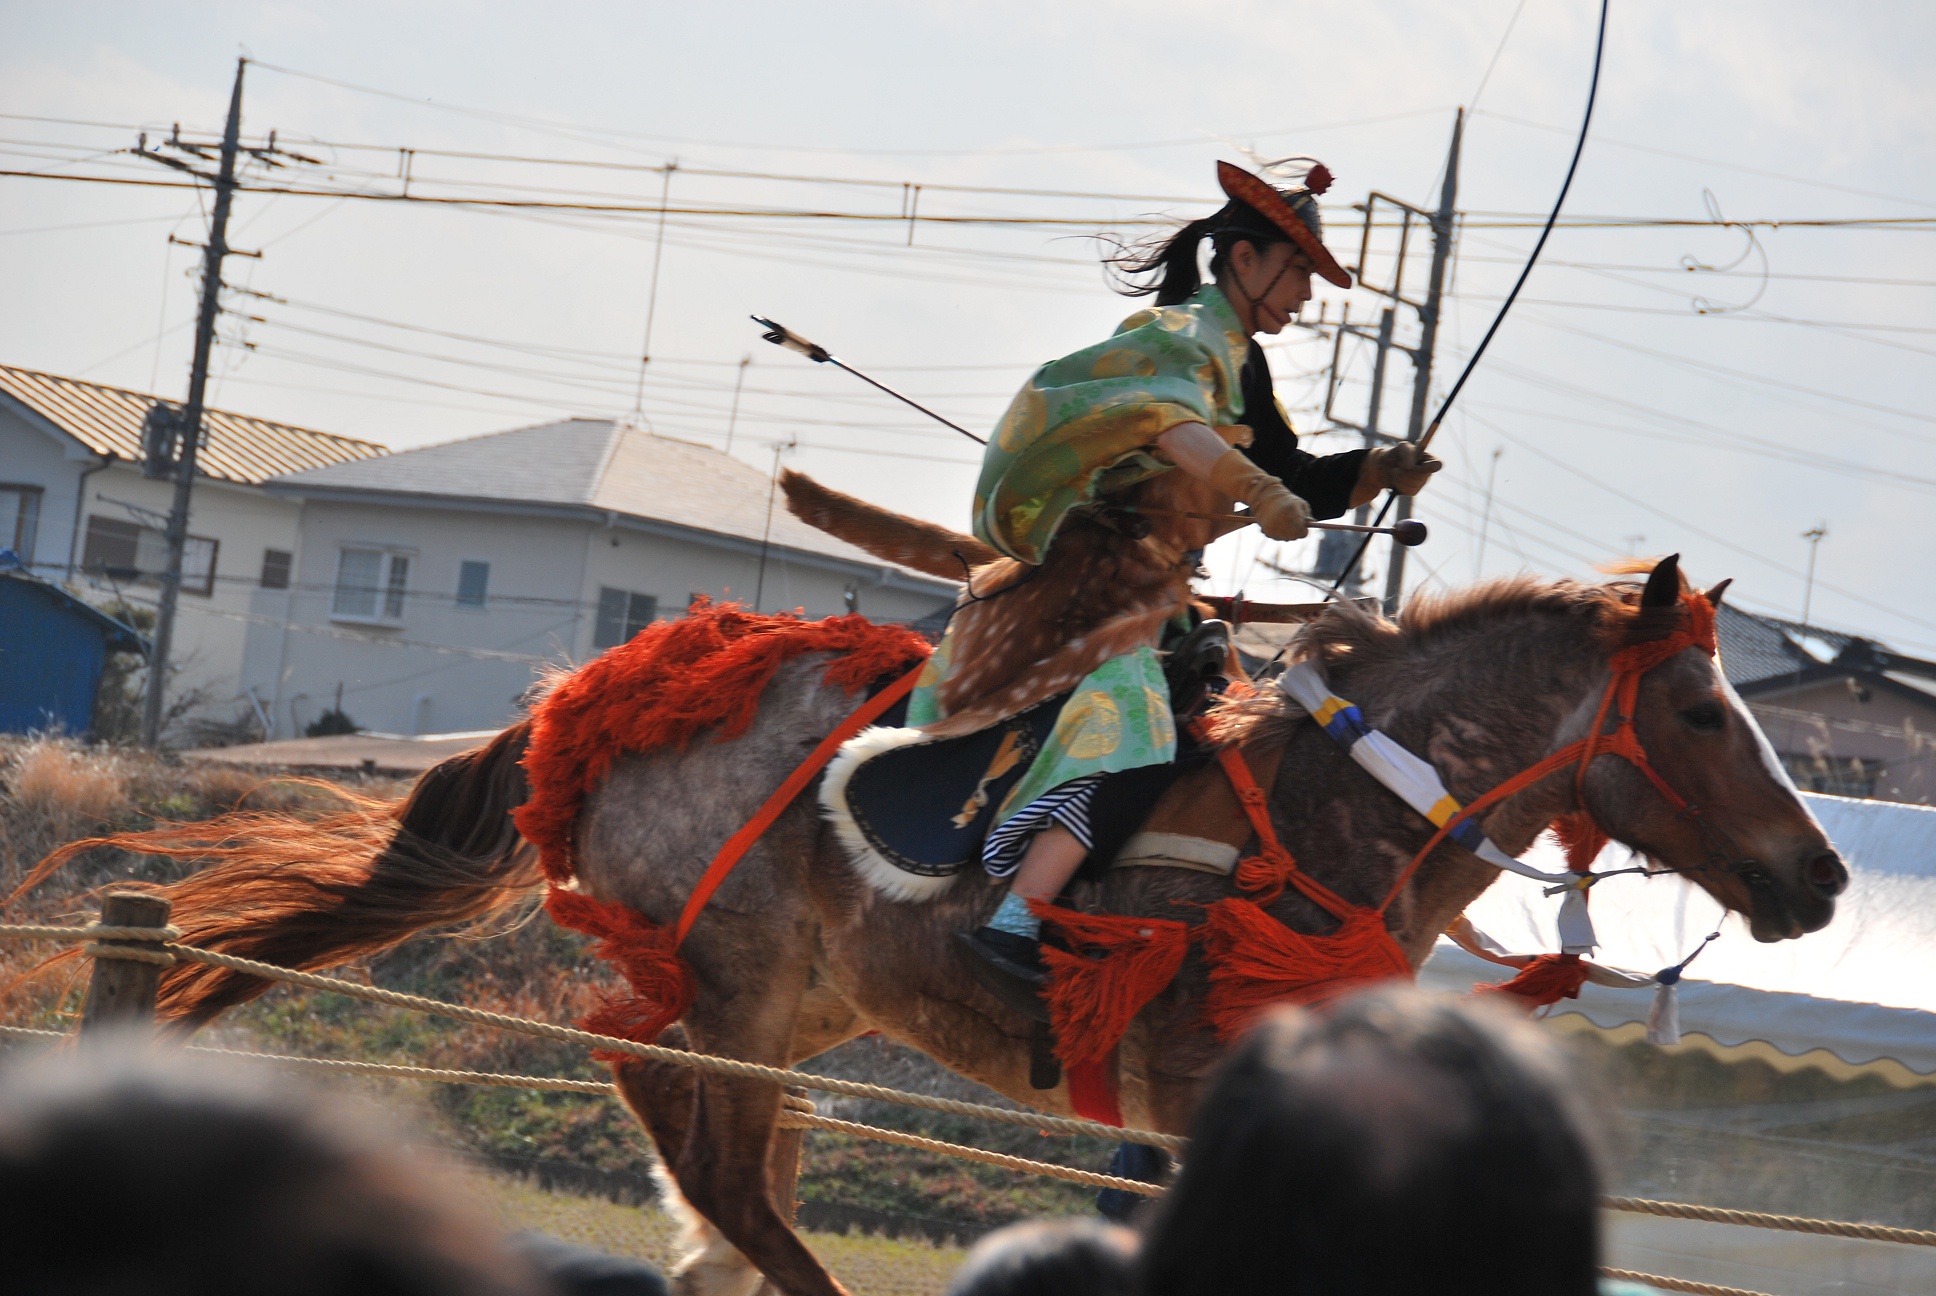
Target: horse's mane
x,y
1609,610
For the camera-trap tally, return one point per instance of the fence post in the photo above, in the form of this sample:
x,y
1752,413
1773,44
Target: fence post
x,y
121,992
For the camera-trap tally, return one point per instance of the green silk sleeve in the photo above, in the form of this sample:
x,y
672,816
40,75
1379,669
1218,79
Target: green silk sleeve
x,y
1079,417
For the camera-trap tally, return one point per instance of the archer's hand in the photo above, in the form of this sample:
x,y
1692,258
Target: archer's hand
x,y
1402,468
1282,515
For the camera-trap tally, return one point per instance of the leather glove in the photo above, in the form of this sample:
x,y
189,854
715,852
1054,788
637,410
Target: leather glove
x,y
1282,515
1403,468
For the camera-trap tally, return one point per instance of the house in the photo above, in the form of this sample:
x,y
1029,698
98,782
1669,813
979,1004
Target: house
x,y
429,585
1859,723
75,506
52,648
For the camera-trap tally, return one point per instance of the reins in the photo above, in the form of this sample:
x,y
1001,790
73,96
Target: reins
x,y
1629,665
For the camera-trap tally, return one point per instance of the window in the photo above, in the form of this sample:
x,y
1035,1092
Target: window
x,y
19,519
275,568
621,614
473,579
128,551
370,584
1834,775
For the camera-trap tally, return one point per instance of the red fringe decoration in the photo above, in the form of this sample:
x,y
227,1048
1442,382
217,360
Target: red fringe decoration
x,y
1093,1092
1581,839
1546,980
662,984
674,679
1120,965
1256,962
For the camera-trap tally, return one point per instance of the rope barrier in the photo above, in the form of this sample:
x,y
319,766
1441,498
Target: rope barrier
x,y
801,1120
825,1084
1790,1223
651,1052
1679,1284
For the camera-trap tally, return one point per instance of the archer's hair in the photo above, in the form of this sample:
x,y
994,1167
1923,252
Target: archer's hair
x,y
1170,261
1398,1143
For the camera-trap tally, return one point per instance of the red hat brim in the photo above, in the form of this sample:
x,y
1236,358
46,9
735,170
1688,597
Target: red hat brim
x,y
1245,187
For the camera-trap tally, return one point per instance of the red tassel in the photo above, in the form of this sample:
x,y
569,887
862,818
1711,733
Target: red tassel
x,y
1093,1093
1581,839
662,983
1120,965
1546,980
1256,962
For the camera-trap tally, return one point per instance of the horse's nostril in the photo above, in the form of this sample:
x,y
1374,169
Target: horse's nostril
x,y
1826,874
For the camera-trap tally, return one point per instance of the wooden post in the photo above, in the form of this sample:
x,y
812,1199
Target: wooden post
x,y
783,1155
121,992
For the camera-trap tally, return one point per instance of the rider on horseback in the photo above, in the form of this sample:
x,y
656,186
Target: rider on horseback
x,y
1182,385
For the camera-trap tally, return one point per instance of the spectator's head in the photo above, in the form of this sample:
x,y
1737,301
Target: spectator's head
x,y
1398,1143
1059,1258
126,1174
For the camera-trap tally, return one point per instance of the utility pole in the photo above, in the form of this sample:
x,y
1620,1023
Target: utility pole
x,y
191,422
1428,318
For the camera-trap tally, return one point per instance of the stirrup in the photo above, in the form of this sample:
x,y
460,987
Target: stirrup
x,y
1009,967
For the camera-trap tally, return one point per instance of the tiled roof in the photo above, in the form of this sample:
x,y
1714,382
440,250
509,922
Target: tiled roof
x,y
597,464
1754,647
235,447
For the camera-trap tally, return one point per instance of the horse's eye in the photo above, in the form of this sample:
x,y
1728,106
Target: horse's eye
x,y
1707,717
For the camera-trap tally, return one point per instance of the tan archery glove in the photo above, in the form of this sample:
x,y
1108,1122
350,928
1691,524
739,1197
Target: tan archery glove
x,y
1282,515
1403,468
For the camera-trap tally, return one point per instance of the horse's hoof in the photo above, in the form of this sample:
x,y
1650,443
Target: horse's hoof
x,y
1009,967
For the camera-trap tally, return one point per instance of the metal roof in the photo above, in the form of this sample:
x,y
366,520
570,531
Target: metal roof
x,y
235,447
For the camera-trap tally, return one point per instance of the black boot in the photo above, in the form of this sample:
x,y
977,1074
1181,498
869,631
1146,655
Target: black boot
x,y
1009,967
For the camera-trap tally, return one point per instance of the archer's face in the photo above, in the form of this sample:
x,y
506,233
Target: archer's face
x,y
1269,286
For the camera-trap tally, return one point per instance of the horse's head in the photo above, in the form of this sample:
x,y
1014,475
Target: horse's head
x,y
1745,836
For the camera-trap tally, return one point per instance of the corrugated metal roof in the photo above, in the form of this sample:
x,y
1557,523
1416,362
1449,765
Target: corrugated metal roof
x,y
235,447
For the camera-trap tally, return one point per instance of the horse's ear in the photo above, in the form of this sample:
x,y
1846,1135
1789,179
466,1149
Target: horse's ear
x,y
1664,584
1713,596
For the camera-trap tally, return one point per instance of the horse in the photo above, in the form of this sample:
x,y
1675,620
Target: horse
x,y
796,953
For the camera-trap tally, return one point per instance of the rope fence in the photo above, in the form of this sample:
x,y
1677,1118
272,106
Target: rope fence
x,y
791,1116
1679,1284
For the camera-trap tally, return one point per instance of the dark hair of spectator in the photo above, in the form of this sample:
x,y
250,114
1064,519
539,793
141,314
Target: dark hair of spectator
x,y
1170,262
1396,1144
123,1174
1050,1258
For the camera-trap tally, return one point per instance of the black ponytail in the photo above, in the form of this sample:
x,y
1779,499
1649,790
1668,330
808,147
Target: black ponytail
x,y
1172,262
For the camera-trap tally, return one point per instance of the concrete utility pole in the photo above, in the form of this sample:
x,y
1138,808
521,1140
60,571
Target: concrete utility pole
x,y
191,429
1428,318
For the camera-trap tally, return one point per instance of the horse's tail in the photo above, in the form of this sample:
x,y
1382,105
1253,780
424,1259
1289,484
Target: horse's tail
x,y
889,536
312,894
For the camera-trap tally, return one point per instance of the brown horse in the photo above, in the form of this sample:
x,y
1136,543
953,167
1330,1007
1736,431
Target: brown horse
x,y
796,953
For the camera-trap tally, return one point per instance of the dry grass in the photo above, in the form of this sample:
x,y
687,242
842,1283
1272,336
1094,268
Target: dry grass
x,y
867,1265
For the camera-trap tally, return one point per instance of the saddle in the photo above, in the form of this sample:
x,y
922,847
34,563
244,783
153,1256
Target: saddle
x,y
914,810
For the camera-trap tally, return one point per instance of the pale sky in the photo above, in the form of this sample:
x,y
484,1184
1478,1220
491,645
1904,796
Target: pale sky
x,y
1628,420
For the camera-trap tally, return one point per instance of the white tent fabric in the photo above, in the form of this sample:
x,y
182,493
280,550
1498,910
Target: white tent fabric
x,y
1861,992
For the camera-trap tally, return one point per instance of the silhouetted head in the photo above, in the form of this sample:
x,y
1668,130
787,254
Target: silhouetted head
x,y
1398,1143
1050,1258
127,1174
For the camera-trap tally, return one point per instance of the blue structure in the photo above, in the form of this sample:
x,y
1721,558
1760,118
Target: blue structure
x,y
52,647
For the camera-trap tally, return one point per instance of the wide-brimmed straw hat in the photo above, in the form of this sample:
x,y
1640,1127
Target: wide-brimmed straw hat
x,y
1292,209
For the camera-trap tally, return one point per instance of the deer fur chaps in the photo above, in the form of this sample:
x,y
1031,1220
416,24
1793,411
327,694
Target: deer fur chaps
x,y
1024,634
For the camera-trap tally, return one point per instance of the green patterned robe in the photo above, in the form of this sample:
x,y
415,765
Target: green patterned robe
x,y
1082,428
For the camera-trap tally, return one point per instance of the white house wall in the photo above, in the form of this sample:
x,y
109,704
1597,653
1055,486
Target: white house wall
x,y
33,454
546,572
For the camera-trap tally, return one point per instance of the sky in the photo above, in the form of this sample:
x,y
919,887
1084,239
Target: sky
x,y
1703,389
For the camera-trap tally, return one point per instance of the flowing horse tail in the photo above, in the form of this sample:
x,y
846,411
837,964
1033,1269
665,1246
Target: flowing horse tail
x,y
311,894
